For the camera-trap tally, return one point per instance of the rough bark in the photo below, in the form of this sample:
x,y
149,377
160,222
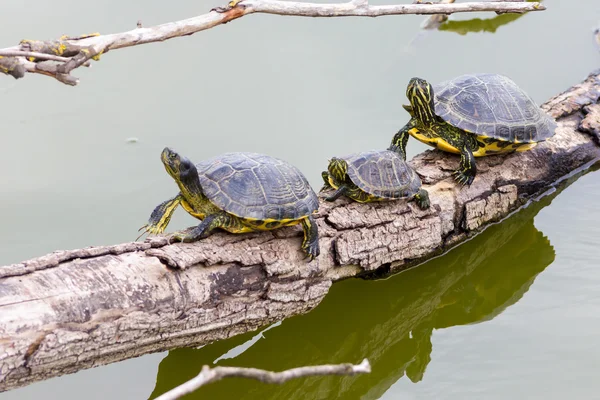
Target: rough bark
x,y
57,58
72,310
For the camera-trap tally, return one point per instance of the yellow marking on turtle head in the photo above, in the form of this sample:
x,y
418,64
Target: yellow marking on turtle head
x,y
420,95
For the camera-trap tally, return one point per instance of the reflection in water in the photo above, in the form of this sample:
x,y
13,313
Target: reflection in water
x,y
478,24
462,27
388,321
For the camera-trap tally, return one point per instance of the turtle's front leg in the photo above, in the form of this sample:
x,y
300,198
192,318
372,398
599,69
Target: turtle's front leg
x,y
400,140
207,226
467,169
327,185
161,216
338,193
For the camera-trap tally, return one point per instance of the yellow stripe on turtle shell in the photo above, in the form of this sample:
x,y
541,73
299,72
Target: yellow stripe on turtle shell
x,y
267,224
434,141
526,146
250,224
494,147
500,147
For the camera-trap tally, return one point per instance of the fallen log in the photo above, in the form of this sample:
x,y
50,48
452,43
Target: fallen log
x,y
72,310
469,285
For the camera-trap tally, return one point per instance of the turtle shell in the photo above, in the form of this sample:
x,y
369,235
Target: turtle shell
x,y
383,174
492,105
257,186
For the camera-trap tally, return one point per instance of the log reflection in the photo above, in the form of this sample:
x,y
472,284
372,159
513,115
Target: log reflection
x,y
388,321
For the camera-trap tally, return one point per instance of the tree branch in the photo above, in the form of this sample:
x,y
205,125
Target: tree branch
x,y
59,57
208,375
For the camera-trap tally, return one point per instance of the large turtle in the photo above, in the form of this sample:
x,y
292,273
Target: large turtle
x,y
238,192
374,176
473,115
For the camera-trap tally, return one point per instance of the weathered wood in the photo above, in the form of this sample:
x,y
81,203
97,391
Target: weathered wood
x,y
77,309
78,51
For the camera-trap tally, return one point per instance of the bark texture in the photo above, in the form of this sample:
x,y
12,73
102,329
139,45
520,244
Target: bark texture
x,y
72,310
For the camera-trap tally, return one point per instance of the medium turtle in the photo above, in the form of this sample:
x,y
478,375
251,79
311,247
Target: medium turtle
x,y
473,115
374,176
238,192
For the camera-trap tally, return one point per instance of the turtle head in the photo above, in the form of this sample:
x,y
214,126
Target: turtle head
x,y
420,95
337,169
181,169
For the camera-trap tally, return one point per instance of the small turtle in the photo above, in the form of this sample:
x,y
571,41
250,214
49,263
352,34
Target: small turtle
x,y
238,192
473,115
374,176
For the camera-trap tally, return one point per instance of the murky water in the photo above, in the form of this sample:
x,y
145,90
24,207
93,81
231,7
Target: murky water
x,y
510,314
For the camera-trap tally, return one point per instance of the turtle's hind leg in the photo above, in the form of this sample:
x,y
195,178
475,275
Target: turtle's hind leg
x,y
422,199
310,244
467,169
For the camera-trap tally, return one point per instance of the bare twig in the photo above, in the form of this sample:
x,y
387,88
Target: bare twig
x,y
35,54
208,375
79,50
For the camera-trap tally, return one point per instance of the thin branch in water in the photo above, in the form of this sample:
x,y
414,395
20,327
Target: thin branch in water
x,y
209,375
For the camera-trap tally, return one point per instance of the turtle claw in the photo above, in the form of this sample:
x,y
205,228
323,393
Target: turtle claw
x,y
138,238
176,237
311,250
144,229
462,178
150,229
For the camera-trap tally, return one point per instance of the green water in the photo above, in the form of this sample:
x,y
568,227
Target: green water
x,y
510,314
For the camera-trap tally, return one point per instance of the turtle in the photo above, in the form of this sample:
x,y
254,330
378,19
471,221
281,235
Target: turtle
x,y
473,115
238,192
376,175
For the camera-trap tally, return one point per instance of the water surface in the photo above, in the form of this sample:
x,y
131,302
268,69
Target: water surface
x,y
511,314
